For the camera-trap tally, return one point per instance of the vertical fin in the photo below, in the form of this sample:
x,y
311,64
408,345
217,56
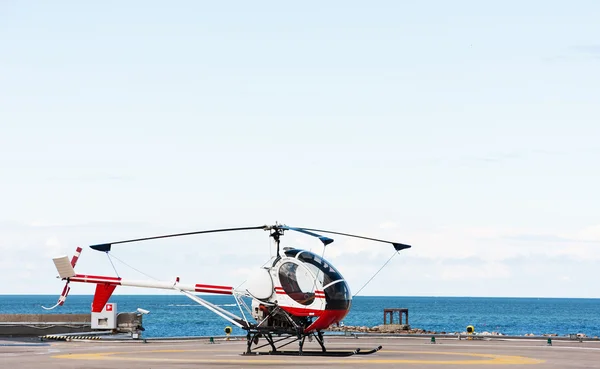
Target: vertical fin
x,y
103,293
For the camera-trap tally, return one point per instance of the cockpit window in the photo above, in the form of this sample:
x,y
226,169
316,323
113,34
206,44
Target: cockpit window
x,y
297,282
328,272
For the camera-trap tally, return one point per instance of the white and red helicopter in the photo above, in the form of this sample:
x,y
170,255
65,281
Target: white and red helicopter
x,y
297,296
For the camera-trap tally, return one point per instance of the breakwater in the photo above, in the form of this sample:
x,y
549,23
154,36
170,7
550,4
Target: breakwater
x,y
405,329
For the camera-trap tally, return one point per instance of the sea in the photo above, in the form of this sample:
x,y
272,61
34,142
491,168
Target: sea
x,y
178,316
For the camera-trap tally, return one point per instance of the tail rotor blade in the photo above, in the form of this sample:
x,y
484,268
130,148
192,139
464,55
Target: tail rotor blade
x,y
62,298
76,256
69,273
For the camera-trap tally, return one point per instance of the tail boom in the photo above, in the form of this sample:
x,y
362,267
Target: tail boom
x,y
118,281
105,285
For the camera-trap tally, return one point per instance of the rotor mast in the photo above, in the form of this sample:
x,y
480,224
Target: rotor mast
x,y
276,234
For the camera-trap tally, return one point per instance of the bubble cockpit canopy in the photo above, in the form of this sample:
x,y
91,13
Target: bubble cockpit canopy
x,y
301,283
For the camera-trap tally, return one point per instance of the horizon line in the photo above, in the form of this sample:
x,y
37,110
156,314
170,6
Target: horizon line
x,y
408,296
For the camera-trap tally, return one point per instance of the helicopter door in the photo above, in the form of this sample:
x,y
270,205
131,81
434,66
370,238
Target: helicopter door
x,y
297,282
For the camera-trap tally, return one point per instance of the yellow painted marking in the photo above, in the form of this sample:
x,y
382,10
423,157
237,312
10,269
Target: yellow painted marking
x,y
482,359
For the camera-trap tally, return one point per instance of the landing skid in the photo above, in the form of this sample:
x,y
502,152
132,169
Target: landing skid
x,y
369,352
321,353
310,353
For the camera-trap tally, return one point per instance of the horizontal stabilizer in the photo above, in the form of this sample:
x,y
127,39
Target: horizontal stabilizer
x,y
63,265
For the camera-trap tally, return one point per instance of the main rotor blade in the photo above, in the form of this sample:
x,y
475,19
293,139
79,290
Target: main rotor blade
x,y
397,245
326,240
106,246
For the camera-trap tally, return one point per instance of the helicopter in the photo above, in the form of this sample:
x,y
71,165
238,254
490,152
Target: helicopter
x,y
296,296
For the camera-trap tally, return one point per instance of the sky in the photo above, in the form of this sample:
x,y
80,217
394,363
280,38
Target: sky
x,y
466,129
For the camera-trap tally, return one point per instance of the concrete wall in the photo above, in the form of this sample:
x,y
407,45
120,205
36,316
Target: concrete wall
x,y
43,324
45,318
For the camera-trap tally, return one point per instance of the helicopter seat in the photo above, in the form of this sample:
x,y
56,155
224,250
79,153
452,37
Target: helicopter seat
x,y
304,298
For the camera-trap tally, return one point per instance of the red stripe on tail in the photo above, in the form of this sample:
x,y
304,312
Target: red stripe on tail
x,y
84,277
64,294
214,287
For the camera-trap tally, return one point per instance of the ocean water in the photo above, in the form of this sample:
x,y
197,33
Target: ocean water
x,y
177,316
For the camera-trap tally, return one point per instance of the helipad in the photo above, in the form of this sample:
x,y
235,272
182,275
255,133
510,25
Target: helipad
x,y
408,352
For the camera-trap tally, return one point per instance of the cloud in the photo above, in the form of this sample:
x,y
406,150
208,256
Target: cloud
x,y
53,247
545,238
505,156
388,225
589,233
94,178
497,244
498,157
574,52
470,271
28,248
503,257
442,243
593,49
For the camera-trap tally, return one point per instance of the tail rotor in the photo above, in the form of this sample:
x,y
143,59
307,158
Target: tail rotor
x,y
65,271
